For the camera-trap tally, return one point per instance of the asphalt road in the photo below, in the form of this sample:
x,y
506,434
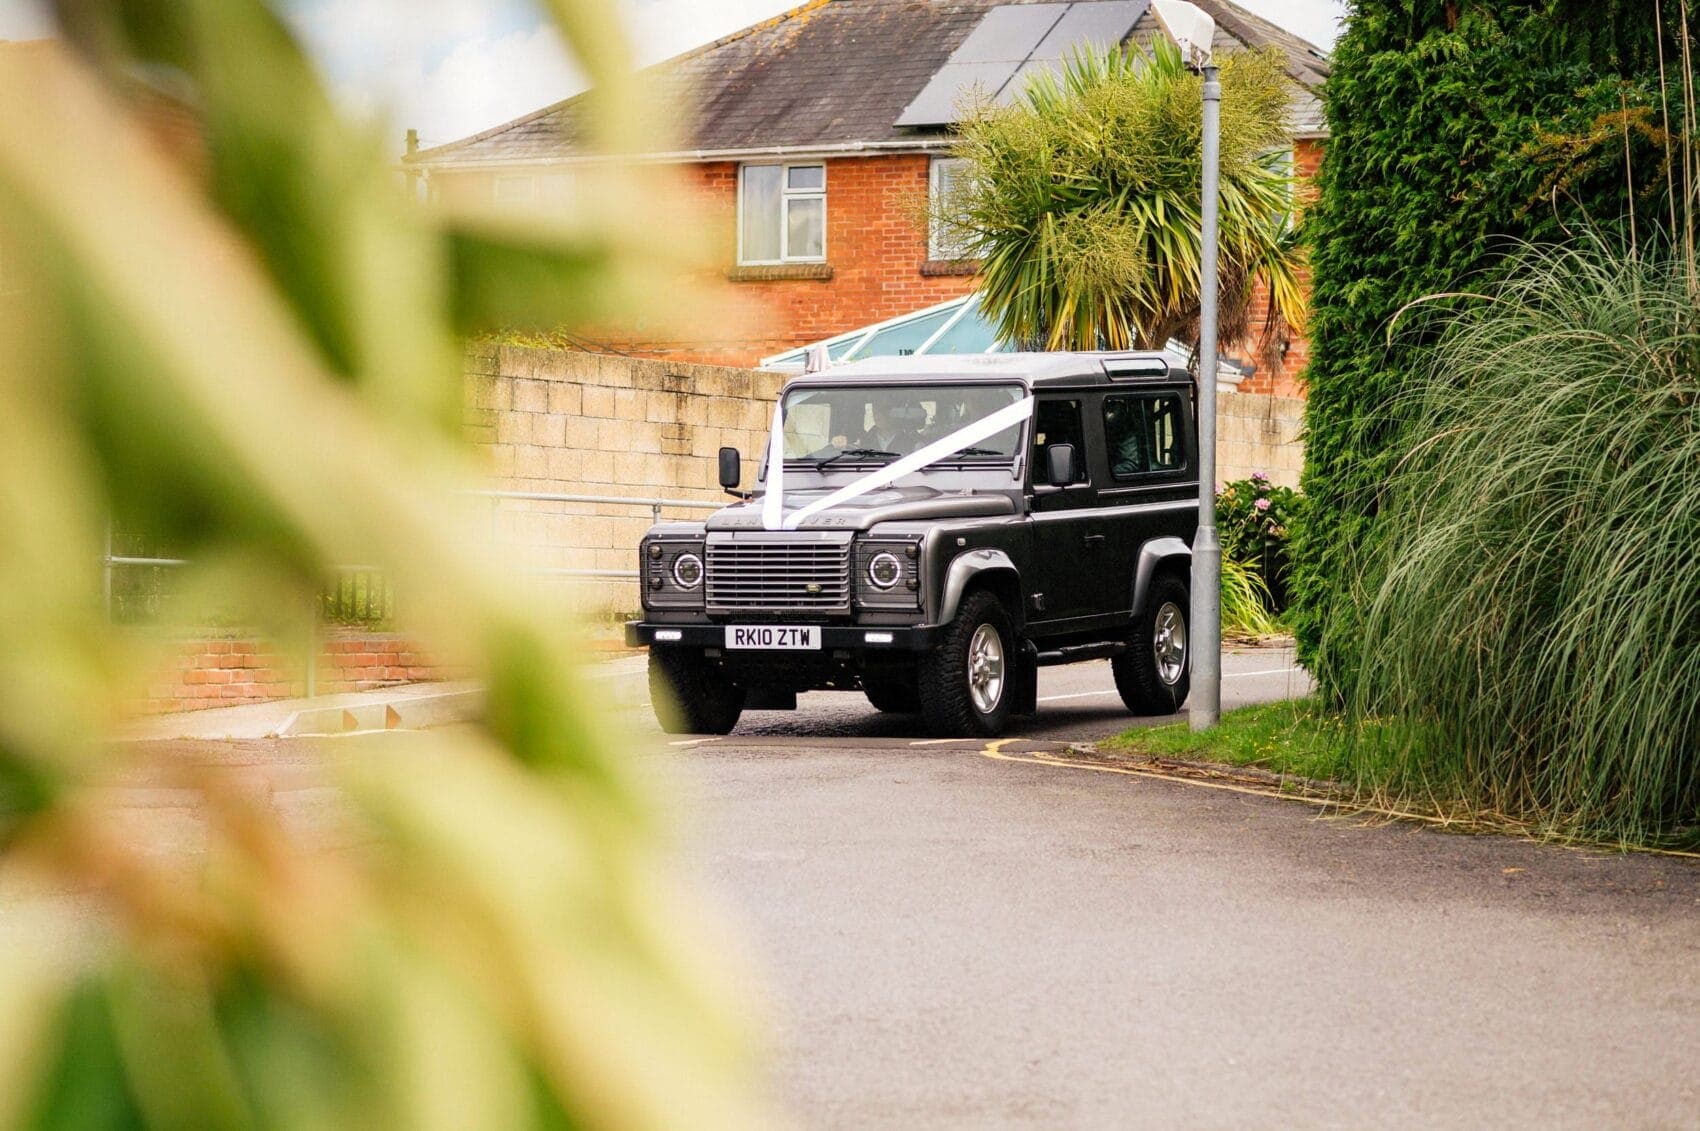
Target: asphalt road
x,y
960,940
948,935
1077,702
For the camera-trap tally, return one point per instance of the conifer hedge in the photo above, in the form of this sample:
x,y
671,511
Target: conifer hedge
x,y
1458,128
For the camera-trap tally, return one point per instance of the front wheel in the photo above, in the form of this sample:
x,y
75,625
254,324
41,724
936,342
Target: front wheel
x,y
1155,673
690,695
965,682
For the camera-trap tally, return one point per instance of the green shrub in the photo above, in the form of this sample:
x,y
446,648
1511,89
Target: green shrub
x,y
1534,623
1453,126
1254,518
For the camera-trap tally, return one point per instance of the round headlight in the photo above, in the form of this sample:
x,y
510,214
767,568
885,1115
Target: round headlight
x,y
884,570
687,571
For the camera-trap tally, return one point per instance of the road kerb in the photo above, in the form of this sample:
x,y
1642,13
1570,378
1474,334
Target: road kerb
x,y
401,713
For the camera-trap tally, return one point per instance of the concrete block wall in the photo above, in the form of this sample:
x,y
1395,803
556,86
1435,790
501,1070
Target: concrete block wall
x,y
559,421
1259,432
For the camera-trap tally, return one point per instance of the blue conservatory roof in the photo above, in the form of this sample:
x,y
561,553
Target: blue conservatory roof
x,y
954,327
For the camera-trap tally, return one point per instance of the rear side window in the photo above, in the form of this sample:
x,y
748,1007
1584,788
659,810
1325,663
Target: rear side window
x,y
1144,433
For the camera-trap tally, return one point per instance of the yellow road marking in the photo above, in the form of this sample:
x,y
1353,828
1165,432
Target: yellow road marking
x,y
994,750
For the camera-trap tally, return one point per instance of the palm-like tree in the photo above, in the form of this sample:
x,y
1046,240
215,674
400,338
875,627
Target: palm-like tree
x,y
1083,202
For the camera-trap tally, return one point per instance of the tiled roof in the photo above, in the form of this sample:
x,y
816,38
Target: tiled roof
x,y
835,72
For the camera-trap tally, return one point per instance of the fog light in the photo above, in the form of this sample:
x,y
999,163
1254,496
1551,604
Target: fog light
x,y
654,581
655,549
668,635
877,638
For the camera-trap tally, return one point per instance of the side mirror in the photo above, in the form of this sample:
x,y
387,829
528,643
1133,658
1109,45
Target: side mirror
x,y
731,468
1059,464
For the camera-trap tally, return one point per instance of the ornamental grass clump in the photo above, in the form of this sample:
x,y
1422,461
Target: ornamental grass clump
x,y
1532,620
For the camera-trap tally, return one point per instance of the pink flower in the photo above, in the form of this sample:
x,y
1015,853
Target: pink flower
x,y
1262,504
1259,477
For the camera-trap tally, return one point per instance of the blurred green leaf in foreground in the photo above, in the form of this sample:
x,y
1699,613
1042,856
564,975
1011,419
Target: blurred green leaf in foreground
x,y
252,354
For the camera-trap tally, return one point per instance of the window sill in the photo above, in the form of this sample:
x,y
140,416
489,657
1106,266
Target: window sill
x,y
772,272
951,267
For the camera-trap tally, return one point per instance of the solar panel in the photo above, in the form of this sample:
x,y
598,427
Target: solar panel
x,y
1100,24
1011,42
1009,34
951,87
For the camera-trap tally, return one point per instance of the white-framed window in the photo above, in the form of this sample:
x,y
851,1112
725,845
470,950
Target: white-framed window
x,y
946,177
782,213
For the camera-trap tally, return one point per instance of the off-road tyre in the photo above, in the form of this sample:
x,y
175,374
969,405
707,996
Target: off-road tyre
x,y
947,699
1138,673
894,695
690,695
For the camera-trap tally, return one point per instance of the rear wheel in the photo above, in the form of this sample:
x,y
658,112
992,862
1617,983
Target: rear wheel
x,y
690,695
965,681
1155,673
892,694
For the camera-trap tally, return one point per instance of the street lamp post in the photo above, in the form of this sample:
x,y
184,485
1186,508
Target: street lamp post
x,y
1206,706
1193,31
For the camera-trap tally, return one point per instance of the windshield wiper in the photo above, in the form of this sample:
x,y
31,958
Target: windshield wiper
x,y
857,453
977,452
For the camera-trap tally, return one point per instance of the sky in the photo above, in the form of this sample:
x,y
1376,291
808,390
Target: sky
x,y
449,68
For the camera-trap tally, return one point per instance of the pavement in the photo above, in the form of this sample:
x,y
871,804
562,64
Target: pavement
x,y
955,934
407,707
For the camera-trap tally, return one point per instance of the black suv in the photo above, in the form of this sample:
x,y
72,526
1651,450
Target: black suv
x,y
937,529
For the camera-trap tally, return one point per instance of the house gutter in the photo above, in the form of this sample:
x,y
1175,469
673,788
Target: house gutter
x,y
695,156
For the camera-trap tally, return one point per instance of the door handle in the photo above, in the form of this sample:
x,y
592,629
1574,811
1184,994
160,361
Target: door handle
x,y
1094,541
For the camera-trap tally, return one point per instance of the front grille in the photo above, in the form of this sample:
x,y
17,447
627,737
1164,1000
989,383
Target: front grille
x,y
779,574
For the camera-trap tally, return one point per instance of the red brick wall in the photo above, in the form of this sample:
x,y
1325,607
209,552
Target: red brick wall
x,y
230,671
1288,380
876,249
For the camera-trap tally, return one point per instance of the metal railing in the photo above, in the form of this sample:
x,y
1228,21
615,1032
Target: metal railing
x,y
364,586
655,505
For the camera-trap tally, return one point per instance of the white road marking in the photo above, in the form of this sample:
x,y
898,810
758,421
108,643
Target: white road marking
x,y
939,741
693,741
1076,695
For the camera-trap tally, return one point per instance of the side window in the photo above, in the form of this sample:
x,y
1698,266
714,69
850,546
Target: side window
x,y
1144,434
1058,422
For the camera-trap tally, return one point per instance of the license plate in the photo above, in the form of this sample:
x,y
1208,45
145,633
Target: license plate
x,y
774,637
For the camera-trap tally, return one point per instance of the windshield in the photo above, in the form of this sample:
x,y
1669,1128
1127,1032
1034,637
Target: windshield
x,y
877,424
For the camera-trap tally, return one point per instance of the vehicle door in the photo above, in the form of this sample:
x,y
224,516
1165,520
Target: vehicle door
x,y
1147,485
1068,542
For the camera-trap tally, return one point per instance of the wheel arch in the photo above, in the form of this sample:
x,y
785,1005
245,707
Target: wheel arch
x,y
1159,555
977,569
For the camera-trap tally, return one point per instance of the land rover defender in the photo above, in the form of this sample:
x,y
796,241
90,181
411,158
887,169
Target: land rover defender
x,y
930,531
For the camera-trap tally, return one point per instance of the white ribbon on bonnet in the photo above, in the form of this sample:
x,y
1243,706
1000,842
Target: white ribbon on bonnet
x,y
773,516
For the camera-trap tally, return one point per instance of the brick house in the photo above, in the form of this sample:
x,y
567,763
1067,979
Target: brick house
x,y
811,136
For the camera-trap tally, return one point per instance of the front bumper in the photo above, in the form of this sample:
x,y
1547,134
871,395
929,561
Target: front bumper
x,y
834,637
